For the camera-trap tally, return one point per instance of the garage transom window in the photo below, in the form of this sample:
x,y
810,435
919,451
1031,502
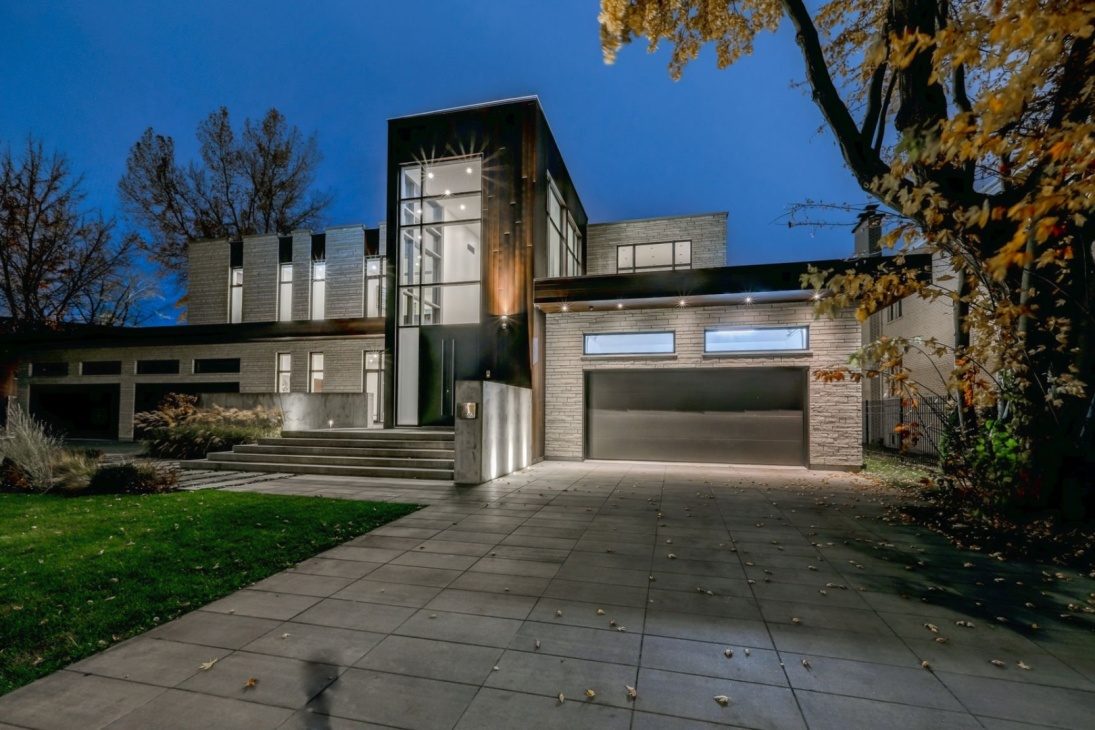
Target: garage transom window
x,y
756,339
630,343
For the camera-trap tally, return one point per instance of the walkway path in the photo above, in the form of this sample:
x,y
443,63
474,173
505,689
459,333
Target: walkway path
x,y
500,606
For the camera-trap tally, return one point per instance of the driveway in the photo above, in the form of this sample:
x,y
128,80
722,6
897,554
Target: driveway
x,y
742,597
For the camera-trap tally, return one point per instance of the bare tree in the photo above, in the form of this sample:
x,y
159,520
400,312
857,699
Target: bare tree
x,y
257,182
58,262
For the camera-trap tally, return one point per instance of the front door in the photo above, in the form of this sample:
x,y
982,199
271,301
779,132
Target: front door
x,y
445,355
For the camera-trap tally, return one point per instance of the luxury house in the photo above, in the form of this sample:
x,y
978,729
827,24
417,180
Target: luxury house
x,y
486,311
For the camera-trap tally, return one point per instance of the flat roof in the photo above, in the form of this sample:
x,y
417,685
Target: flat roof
x,y
469,107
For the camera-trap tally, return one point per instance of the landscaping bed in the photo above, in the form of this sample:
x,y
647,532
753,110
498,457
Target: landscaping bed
x,y
77,575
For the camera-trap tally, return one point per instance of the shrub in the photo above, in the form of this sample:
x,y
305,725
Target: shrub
x,y
73,470
178,429
130,478
30,450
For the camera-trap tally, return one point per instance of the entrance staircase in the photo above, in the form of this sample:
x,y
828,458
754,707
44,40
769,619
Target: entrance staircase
x,y
395,454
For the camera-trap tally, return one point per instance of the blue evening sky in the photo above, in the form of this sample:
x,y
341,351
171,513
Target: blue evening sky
x,y
89,77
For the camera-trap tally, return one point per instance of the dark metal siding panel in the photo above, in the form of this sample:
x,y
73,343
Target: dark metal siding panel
x,y
718,415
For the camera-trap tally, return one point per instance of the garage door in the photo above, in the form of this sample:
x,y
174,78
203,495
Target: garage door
x,y
724,415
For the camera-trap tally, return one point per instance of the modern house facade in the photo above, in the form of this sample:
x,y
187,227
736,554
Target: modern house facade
x,y
486,303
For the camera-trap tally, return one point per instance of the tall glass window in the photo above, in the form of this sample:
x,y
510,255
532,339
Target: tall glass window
x,y
315,372
440,246
319,289
282,380
285,293
564,241
374,286
373,381
235,295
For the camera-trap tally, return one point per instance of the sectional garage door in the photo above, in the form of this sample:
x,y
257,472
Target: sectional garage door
x,y
717,415
77,411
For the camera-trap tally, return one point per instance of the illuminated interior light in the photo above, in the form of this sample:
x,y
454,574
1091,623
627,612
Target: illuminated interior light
x,y
448,192
463,207
429,175
468,170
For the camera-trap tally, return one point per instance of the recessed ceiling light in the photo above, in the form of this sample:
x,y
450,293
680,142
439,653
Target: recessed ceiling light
x,y
448,192
748,300
429,175
468,170
681,303
619,305
566,308
817,295
463,207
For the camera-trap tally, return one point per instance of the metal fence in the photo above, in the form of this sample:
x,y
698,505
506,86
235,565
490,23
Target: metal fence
x,y
925,419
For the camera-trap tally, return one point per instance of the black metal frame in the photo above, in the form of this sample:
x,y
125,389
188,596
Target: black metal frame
x,y
642,269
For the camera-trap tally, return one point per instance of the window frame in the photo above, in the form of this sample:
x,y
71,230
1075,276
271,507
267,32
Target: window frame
x,y
114,370
209,361
312,372
235,290
637,353
317,265
673,266
708,352
278,372
137,367
411,296
567,260
285,298
62,365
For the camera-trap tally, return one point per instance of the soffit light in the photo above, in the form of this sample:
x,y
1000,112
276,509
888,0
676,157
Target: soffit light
x,y
468,170
619,305
681,303
448,192
748,300
566,308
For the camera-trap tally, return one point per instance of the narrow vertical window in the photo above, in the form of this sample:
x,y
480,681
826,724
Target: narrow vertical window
x,y
374,287
235,294
285,293
283,380
319,289
315,372
373,384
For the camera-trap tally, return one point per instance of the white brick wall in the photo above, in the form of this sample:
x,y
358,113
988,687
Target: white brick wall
x,y
706,232
835,412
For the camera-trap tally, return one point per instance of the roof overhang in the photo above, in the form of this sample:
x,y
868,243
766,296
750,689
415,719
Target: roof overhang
x,y
195,334
755,284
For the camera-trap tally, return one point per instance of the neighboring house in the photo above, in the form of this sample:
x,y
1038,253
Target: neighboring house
x,y
486,301
915,319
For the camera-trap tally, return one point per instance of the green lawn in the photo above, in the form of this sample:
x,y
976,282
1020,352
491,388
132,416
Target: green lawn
x,y
78,574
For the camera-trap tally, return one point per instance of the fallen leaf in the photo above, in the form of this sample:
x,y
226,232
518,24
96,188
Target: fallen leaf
x,y
748,652
600,612
925,665
590,694
558,612
537,644
250,683
722,700
206,666
728,653
996,663
806,663
796,620
1022,665
631,693
671,556
561,698
932,628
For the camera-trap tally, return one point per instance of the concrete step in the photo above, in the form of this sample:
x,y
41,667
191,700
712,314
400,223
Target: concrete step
x,y
277,446
237,457
323,469
374,434
363,443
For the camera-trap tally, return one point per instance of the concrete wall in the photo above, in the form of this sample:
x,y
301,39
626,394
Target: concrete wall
x,y
499,441
707,233
302,411
207,301
835,411
343,367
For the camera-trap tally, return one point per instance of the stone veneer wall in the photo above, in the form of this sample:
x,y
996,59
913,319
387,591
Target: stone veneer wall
x,y
343,367
207,287
707,233
835,411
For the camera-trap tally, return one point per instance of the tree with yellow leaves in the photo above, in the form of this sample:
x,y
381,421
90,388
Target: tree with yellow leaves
x,y
973,123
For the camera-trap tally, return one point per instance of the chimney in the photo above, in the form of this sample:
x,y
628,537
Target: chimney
x,y
868,232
